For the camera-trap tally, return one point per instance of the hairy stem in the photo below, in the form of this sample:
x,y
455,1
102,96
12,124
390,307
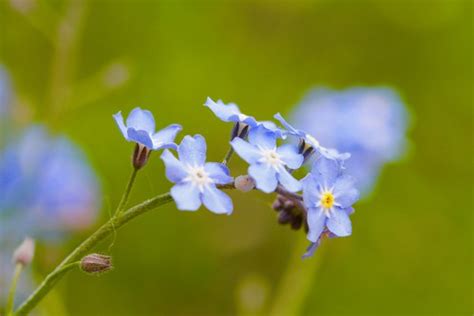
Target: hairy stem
x,y
83,249
126,193
11,293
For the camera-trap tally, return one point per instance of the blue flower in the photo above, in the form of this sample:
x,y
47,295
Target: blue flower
x,y
140,128
196,181
370,123
47,187
311,143
231,113
268,162
328,196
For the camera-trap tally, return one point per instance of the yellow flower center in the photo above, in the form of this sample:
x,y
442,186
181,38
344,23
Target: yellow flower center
x,y
327,200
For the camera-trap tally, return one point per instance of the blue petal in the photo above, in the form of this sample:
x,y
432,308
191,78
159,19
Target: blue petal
x,y
218,172
186,196
339,223
345,194
311,195
175,171
165,136
290,156
246,151
192,150
141,137
274,128
264,176
227,113
312,249
119,120
316,223
262,137
327,170
288,181
217,201
287,125
141,120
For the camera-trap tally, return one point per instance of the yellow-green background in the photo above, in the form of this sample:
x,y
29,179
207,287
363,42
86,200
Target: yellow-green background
x,y
411,249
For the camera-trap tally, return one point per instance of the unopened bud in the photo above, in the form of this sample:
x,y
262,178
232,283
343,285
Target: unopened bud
x,y
244,183
240,130
25,252
140,156
96,263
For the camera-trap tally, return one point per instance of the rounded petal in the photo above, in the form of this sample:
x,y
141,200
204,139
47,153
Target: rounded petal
x,y
264,176
218,172
217,201
345,194
165,136
141,120
312,249
290,156
327,170
226,112
186,196
262,137
246,151
288,181
175,171
339,223
288,126
311,193
141,137
192,150
316,223
121,125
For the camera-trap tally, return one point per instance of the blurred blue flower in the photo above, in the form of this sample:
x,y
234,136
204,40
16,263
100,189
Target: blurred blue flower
x,y
370,123
311,142
195,179
267,161
140,128
328,195
46,187
231,113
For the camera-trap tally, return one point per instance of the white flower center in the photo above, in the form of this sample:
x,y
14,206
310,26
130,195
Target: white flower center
x,y
198,177
271,157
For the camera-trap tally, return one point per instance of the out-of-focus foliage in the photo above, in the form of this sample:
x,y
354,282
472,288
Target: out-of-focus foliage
x,y
411,248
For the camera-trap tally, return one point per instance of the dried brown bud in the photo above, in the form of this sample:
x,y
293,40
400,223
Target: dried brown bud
x,y
25,252
244,183
140,156
96,263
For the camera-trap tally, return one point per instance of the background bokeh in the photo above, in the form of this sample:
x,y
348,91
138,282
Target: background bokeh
x,y
72,64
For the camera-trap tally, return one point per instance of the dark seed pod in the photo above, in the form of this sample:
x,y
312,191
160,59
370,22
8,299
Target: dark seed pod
x,y
96,263
140,156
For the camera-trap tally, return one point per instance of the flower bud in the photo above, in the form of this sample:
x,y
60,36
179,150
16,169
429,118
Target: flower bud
x,y
140,156
96,263
240,130
244,183
25,252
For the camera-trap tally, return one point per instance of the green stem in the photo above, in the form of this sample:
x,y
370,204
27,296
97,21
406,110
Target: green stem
x,y
126,193
228,155
83,249
11,293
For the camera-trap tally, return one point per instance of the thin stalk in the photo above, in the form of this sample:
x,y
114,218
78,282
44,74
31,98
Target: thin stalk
x,y
126,193
228,156
11,293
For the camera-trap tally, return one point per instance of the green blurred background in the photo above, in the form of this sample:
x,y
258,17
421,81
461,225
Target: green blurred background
x,y
75,63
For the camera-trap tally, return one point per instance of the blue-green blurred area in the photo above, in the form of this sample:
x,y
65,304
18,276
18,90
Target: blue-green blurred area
x,y
75,63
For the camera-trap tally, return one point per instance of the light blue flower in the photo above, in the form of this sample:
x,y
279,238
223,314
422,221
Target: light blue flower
x,y
311,143
370,123
231,113
328,195
47,187
196,181
140,128
268,163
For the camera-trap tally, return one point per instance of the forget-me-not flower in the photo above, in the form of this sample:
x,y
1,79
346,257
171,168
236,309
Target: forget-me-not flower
x,y
310,143
328,195
231,113
370,123
140,128
196,181
268,162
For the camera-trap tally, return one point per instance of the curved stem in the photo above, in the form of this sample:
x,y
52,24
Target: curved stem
x,y
83,249
11,293
126,193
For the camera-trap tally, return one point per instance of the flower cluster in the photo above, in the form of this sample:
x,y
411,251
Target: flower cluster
x,y
328,194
